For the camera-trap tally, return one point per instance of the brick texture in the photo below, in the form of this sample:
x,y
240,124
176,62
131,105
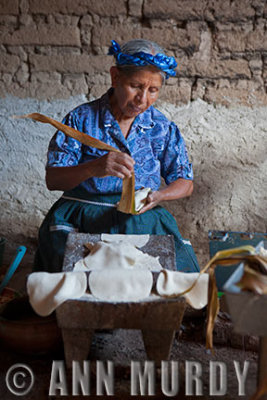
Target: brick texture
x,y
177,93
104,8
58,48
9,63
103,33
216,69
9,7
242,38
43,34
180,10
232,10
174,38
135,8
70,63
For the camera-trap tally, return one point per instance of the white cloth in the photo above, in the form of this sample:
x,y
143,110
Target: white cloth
x,y
47,291
171,283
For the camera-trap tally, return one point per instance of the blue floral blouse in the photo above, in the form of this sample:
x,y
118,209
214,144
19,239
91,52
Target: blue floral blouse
x,y
154,142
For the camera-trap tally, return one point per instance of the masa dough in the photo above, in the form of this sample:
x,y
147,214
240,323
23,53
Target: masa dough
x,y
135,240
117,255
47,291
172,283
140,197
120,285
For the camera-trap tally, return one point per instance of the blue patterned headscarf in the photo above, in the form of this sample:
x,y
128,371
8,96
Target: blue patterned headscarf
x,y
161,61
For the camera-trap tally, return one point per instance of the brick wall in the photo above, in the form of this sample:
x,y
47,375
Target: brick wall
x,y
57,48
53,58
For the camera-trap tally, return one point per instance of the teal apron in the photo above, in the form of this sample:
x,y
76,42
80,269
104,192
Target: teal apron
x,y
98,214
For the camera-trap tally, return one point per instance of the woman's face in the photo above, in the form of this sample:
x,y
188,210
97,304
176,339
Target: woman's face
x,y
134,93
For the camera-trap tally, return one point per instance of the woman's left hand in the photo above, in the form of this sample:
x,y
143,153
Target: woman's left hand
x,y
175,190
152,200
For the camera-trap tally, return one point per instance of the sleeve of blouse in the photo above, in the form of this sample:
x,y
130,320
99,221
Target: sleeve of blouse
x,y
174,161
64,151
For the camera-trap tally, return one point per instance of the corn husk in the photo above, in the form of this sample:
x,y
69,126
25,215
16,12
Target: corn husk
x,y
224,257
258,263
127,203
213,308
253,281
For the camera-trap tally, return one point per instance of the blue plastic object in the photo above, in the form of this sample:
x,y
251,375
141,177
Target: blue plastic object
x,y
21,250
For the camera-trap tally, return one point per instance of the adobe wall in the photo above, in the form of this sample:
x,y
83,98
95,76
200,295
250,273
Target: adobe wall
x,y
53,57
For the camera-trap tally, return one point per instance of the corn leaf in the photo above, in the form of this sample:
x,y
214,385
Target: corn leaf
x,y
126,204
127,201
253,281
74,133
213,308
257,263
224,257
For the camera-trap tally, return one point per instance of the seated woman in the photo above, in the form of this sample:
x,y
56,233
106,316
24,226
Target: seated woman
x,y
91,179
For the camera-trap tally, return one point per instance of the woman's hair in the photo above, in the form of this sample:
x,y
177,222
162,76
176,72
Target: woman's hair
x,y
138,45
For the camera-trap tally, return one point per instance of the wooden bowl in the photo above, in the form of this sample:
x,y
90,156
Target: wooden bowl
x,y
7,295
23,331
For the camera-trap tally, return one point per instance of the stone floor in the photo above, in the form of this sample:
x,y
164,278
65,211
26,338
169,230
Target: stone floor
x,y
121,347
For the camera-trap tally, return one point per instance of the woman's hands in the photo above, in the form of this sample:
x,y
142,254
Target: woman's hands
x,y
152,200
120,165
116,164
175,190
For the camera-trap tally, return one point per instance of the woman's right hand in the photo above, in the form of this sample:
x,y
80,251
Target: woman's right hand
x,y
112,163
116,164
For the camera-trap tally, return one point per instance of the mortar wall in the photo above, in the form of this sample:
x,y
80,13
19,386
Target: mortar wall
x,y
53,57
